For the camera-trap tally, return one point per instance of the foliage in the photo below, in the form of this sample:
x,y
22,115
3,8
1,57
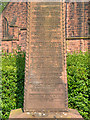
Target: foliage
x,y
78,82
20,63
2,5
13,66
12,82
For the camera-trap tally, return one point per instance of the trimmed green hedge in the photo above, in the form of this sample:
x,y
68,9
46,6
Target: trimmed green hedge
x,y
13,67
78,82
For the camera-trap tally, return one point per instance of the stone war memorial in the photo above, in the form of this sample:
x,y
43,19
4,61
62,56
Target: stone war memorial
x,y
45,88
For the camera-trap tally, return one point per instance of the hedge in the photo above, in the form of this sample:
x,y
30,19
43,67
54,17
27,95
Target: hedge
x,y
78,82
13,66
13,71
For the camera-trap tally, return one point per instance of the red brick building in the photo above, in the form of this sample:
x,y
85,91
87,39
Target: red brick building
x,y
77,24
14,23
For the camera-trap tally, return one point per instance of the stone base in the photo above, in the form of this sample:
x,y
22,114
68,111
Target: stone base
x,y
72,113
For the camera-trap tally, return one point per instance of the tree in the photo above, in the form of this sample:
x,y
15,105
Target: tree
x,y
2,6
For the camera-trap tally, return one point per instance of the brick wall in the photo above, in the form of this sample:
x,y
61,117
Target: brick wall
x,y
77,45
76,25
15,15
77,19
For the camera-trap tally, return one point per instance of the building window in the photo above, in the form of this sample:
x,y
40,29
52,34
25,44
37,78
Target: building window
x,y
73,5
89,27
89,18
7,50
72,33
5,28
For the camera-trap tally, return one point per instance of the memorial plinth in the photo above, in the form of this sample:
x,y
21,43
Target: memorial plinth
x,y
45,74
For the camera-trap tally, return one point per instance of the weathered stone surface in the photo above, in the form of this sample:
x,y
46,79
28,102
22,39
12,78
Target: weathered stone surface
x,y
45,86
47,116
15,113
